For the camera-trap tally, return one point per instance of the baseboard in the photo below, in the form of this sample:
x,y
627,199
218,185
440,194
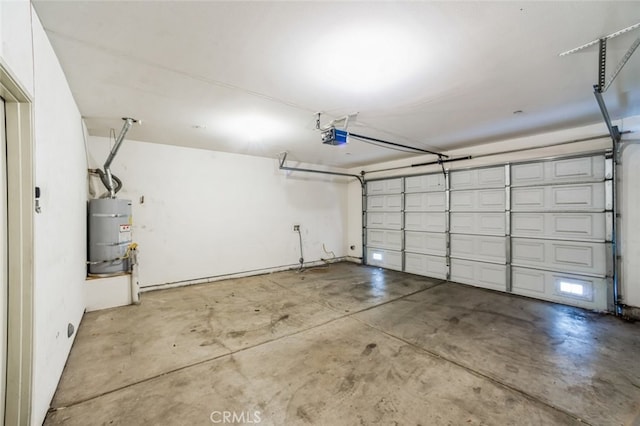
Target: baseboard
x,y
631,312
246,274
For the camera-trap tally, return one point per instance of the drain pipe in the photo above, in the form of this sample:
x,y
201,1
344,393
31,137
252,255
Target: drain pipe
x,y
363,203
135,285
107,164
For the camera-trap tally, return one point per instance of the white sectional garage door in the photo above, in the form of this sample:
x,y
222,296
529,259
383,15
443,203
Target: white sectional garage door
x,y
425,230
383,223
478,218
561,229
539,229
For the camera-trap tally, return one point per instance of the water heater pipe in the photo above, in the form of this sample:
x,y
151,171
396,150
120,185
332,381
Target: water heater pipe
x,y
135,285
107,164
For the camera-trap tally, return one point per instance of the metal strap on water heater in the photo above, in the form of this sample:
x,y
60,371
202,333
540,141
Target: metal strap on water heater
x,y
109,215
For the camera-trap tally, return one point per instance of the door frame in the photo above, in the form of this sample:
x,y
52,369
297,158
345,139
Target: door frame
x,y
20,211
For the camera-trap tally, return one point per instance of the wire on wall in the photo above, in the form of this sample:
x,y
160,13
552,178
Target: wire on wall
x,y
301,260
333,255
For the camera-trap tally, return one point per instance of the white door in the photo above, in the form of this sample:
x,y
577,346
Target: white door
x,y
3,260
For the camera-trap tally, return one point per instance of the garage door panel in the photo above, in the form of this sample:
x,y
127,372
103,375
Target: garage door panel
x,y
479,247
386,186
387,220
577,195
572,289
577,169
568,170
574,226
428,266
527,199
569,256
425,243
478,223
384,202
528,251
384,238
384,258
462,271
463,223
582,197
425,183
463,201
425,221
478,200
530,282
491,177
425,202
479,274
462,179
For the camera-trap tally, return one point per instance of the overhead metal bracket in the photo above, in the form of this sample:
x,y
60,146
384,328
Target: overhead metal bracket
x,y
603,82
614,132
596,41
324,172
441,162
602,64
622,63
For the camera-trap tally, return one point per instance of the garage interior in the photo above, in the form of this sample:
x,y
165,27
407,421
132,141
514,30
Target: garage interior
x,y
320,213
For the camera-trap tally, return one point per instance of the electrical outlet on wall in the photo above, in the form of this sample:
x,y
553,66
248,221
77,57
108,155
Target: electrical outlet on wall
x,y
296,228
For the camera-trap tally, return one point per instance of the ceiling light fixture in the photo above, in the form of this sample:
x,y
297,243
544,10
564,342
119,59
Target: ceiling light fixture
x,y
252,127
365,59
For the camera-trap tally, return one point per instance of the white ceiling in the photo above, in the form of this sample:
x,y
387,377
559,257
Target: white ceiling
x,y
437,75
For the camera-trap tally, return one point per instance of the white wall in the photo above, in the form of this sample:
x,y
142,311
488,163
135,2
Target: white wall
x,y
15,40
629,238
60,170
60,230
207,214
630,223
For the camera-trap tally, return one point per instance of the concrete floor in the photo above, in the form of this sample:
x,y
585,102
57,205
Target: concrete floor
x,y
348,345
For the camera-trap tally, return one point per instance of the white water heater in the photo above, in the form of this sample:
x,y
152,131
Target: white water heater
x,y
110,223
